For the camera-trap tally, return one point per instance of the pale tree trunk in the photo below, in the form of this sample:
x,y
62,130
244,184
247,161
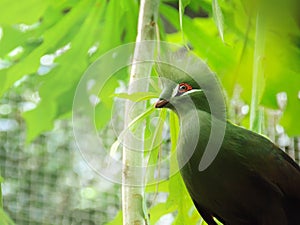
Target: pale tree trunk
x,y
133,156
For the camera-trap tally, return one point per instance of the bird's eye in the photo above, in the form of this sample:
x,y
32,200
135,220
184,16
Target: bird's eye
x,y
184,87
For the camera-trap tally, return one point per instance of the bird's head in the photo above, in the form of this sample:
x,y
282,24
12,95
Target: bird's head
x,y
188,84
182,95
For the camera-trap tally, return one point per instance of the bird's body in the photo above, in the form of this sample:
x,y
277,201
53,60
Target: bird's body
x,y
251,181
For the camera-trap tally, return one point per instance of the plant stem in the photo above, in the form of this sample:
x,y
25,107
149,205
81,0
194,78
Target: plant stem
x,y
258,72
1,200
133,154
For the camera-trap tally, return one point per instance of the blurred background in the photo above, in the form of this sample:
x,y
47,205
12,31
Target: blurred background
x,y
46,46
47,181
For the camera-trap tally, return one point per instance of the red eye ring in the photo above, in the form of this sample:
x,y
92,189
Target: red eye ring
x,y
184,87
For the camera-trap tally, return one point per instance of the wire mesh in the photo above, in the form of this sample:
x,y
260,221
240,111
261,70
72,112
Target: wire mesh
x,y
47,182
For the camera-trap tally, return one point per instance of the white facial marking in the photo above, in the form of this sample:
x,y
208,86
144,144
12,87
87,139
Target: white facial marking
x,y
191,91
175,90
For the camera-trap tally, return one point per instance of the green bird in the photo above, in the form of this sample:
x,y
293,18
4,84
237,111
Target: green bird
x,y
245,179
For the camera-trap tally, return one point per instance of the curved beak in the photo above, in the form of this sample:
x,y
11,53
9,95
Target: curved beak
x,y
161,103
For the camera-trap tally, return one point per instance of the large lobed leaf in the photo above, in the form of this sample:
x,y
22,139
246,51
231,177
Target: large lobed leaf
x,y
233,61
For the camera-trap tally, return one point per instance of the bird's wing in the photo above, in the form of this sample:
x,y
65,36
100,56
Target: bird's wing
x,y
205,214
285,174
269,161
246,182
273,166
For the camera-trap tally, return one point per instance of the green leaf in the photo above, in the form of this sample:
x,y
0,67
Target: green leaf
x,y
218,18
129,20
108,90
285,81
118,220
102,114
59,83
281,64
133,123
258,83
162,186
137,96
11,39
28,12
181,199
153,144
103,110
234,61
178,195
159,210
4,218
219,56
174,132
182,5
40,119
30,63
111,31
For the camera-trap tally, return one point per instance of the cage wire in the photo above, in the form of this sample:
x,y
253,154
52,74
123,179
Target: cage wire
x,y
47,182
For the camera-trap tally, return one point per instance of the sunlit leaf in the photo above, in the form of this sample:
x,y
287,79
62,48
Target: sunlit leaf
x,y
30,63
157,211
62,80
162,186
182,5
40,119
137,96
219,56
152,144
131,125
102,114
218,18
258,81
118,220
28,12
112,28
130,19
4,218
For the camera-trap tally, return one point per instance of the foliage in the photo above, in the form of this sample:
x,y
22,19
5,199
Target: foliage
x,y
54,42
4,219
46,28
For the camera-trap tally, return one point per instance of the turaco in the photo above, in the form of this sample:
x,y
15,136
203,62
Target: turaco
x,y
249,181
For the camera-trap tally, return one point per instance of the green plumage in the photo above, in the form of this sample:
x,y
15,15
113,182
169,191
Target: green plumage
x,y
251,181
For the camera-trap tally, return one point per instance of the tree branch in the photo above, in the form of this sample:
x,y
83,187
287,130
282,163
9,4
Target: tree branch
x,y
133,155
